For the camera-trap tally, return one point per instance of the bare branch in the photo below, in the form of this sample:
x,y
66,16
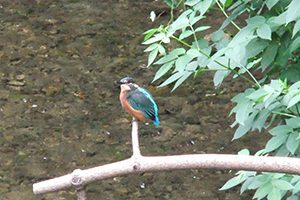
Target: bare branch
x,y
77,181
81,195
135,139
161,163
138,163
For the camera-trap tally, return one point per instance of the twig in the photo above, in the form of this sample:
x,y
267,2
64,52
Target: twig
x,y
226,15
81,194
78,182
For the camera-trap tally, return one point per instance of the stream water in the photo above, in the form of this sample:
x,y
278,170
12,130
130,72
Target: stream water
x,y
60,111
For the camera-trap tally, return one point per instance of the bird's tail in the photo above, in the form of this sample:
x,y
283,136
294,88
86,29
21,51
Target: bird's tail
x,y
156,121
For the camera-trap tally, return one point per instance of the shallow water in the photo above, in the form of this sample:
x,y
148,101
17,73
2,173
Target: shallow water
x,y
59,108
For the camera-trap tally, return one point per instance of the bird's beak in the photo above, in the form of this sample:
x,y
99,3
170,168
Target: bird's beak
x,y
117,84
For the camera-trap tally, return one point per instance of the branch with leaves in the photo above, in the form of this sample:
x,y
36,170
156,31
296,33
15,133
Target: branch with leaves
x,y
268,43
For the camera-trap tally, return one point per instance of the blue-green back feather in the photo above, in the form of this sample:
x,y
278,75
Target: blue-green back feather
x,y
141,99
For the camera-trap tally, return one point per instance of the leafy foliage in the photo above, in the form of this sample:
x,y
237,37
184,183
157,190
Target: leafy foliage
x,y
269,42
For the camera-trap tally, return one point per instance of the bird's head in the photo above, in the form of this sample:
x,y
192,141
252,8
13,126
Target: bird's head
x,y
125,80
126,84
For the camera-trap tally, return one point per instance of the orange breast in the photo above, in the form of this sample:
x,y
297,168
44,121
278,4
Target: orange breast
x,y
133,112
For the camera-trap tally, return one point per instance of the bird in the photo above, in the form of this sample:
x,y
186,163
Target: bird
x,y
138,101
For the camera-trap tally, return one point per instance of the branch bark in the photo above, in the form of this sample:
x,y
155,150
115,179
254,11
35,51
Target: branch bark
x,y
135,139
138,163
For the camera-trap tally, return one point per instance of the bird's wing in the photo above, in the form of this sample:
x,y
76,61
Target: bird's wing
x,y
141,99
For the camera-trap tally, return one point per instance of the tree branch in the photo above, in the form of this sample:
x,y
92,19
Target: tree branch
x,y
135,139
138,163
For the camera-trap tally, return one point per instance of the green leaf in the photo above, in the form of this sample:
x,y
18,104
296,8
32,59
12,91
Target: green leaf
x,y
161,50
198,72
293,122
243,129
220,76
296,188
281,130
259,122
256,21
256,183
271,98
246,184
181,80
264,32
243,37
193,53
294,101
151,47
244,108
263,191
277,21
282,151
293,197
245,152
182,61
171,79
193,20
295,44
185,34
249,65
233,15
292,143
240,131
155,38
292,91
203,6
214,64
152,57
192,66
275,142
227,3
277,175
269,55
295,179
171,56
202,28
163,70
295,86
181,22
274,194
191,2
282,184
255,46
204,46
293,11
231,183
271,3
172,3
148,34
237,53
220,39
296,28
257,95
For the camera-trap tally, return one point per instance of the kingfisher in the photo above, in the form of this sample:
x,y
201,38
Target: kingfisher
x,y
137,101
